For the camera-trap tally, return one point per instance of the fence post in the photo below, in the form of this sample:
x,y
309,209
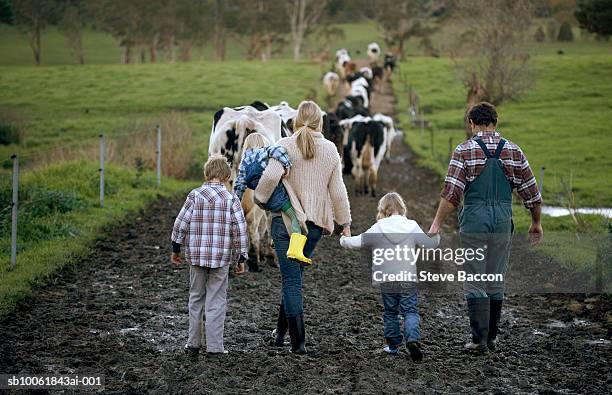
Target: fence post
x,y
101,169
542,178
432,141
15,204
158,152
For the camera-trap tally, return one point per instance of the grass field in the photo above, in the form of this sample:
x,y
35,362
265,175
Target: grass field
x,y
67,106
562,123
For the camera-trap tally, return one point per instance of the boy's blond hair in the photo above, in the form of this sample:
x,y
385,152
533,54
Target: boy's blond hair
x,y
391,203
254,140
216,167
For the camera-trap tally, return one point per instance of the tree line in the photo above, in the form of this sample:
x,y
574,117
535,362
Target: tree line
x,y
146,30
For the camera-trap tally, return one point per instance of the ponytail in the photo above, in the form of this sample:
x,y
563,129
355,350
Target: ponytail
x,y
305,143
308,119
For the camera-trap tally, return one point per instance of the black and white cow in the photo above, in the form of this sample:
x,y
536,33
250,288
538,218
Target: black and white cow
x,y
373,51
232,125
389,64
342,58
367,147
360,87
350,107
390,132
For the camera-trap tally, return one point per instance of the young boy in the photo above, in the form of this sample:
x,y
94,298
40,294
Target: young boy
x,y
393,229
212,227
256,153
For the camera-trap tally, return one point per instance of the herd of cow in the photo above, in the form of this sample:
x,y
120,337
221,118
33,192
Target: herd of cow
x,y
363,139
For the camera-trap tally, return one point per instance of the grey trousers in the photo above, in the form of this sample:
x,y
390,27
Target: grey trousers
x,y
207,297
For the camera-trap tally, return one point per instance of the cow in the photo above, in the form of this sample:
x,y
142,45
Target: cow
x,y
345,126
258,221
361,88
367,147
366,72
331,81
232,125
373,51
342,58
333,131
389,129
351,106
389,65
378,74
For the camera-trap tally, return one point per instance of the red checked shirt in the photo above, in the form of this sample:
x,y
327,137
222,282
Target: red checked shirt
x,y
212,227
469,160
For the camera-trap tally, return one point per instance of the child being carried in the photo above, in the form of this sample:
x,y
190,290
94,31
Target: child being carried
x,y
255,155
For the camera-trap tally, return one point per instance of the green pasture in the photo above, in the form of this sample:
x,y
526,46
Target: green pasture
x,y
562,123
68,106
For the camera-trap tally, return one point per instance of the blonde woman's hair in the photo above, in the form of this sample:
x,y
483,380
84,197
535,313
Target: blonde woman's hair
x,y
308,119
391,203
254,140
216,167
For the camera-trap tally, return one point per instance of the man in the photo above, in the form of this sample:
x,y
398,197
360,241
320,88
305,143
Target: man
x,y
483,171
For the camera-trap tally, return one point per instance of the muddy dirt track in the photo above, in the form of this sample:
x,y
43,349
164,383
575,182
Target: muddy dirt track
x,y
122,312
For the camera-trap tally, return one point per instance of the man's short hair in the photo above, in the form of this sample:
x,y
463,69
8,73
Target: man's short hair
x,y
216,167
483,113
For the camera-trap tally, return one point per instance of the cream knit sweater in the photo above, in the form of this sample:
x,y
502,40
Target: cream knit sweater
x,y
315,186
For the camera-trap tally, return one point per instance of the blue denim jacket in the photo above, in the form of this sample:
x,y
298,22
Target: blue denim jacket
x,y
260,156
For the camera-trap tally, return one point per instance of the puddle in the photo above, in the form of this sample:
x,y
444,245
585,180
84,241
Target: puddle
x,y
556,324
555,211
598,342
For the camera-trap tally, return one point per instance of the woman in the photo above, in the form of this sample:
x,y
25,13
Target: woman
x,y
318,194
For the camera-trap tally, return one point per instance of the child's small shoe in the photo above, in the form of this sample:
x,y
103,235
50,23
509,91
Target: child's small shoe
x,y
191,351
296,248
416,354
391,350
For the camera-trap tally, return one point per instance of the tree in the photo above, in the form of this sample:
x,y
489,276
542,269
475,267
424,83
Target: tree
x,y
264,26
401,20
595,16
6,12
72,23
565,32
32,17
493,65
304,16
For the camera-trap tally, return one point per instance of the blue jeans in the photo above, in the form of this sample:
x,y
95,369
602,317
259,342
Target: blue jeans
x,y
291,271
279,196
406,305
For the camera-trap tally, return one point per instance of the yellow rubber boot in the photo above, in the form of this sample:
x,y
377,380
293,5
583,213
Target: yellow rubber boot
x,y
296,248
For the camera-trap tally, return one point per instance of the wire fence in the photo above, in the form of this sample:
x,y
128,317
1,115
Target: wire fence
x,y
102,154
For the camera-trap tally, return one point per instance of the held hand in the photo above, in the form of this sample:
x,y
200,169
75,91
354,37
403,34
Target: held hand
x,y
175,259
240,268
346,231
434,229
535,233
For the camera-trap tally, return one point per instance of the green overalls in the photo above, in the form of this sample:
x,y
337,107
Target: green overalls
x,y
486,219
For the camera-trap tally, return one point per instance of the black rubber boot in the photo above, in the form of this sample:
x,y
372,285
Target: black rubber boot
x,y
281,327
297,334
416,354
494,317
478,310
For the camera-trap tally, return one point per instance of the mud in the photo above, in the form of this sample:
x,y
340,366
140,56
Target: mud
x,y
122,312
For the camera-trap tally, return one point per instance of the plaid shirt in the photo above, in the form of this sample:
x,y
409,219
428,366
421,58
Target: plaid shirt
x,y
212,227
469,160
261,156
